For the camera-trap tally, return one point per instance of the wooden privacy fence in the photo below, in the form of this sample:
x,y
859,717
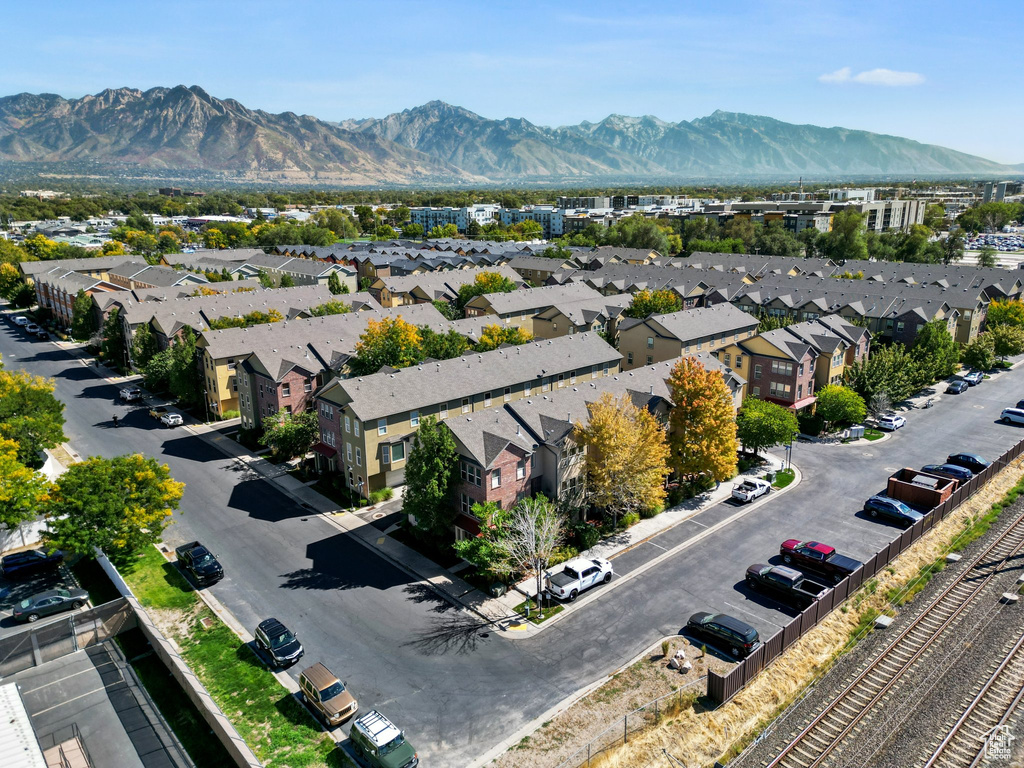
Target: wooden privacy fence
x,y
721,688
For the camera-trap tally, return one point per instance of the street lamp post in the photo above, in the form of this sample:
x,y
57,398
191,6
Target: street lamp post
x,y
206,404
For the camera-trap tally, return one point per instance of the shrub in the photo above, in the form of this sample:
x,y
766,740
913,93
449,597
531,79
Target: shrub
x,y
584,535
648,512
630,519
376,497
388,493
562,554
231,415
810,424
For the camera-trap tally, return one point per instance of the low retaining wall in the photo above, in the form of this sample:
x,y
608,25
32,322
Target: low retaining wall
x,y
194,689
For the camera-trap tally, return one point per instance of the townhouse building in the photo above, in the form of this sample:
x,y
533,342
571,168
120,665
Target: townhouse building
x,y
58,290
537,269
283,364
527,446
142,275
366,422
520,307
630,278
600,314
431,286
666,337
301,271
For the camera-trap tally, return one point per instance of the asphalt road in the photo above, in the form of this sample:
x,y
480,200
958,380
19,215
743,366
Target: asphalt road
x,y
402,650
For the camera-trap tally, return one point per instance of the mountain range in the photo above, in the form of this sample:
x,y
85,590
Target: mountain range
x,y
181,128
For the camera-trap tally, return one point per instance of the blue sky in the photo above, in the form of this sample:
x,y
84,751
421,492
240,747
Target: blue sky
x,y
939,72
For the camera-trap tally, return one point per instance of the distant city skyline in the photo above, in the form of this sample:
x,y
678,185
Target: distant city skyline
x,y
939,73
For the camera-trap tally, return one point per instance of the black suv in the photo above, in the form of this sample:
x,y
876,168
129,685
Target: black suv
x,y
736,636
971,461
23,565
278,643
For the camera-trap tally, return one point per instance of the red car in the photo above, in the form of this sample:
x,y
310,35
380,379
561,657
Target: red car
x,y
818,558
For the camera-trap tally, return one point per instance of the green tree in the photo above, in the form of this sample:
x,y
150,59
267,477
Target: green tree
x,y
287,281
934,216
702,432
1005,312
23,297
952,248
429,472
265,279
144,346
23,491
845,241
384,232
775,240
741,229
638,232
485,282
290,435
935,351
447,309
399,215
120,505
494,335
980,354
30,415
83,320
113,347
473,229
1007,340
332,307
412,231
658,302
760,424
890,369
810,239
839,405
334,283
443,231
987,257
10,280
157,371
185,379
441,346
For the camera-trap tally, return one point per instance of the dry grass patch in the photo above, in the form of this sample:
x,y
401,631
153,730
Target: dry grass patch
x,y
603,708
703,736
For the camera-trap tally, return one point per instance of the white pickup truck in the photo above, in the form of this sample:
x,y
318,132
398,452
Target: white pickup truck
x,y
751,488
578,575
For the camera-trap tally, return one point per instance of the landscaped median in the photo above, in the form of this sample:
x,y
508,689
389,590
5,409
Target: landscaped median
x,y
278,729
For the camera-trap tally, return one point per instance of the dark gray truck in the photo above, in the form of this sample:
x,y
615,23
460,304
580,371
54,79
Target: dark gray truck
x,y
787,585
200,563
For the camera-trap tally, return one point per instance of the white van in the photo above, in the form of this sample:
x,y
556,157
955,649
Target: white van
x,y
1012,416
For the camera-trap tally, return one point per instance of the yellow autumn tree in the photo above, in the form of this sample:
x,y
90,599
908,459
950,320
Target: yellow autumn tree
x,y
626,456
23,491
702,427
391,341
495,335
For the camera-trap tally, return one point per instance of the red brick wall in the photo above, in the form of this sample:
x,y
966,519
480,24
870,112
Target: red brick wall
x,y
273,393
795,380
511,490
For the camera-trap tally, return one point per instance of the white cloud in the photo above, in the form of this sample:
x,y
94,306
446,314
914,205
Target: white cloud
x,y
888,77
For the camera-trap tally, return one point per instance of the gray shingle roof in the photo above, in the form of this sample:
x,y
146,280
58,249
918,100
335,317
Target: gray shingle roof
x,y
692,324
485,434
536,298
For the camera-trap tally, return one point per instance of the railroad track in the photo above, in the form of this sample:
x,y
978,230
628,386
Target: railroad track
x,y
993,706
845,713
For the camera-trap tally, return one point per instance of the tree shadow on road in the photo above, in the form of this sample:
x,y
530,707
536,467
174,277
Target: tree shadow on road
x,y
421,593
457,633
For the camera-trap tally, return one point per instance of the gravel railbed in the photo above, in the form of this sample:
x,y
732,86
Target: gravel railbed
x,y
916,716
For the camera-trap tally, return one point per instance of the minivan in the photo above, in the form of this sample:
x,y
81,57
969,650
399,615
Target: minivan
x,y
1012,415
724,631
380,744
326,694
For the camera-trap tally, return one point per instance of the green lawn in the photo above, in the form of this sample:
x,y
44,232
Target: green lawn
x,y
783,478
870,433
550,611
273,723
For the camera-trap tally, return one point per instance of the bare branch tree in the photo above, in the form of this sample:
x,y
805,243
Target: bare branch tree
x,y
530,533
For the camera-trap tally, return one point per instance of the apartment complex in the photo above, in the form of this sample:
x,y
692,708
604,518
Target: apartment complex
x,y
689,331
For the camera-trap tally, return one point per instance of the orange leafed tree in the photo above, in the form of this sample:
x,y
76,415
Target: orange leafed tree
x,y
391,341
702,427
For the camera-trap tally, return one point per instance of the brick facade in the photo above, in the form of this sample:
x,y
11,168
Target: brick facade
x,y
512,488
800,381
295,390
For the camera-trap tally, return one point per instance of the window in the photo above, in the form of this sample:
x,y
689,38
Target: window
x,y
466,405
527,389
756,392
899,326
348,451
496,478
545,385
780,368
561,380
307,386
650,360
465,504
325,409
414,419
385,454
355,427
780,390
629,358
800,370
739,362
231,364
444,411
508,394
521,469
348,424
288,409
261,391
700,343
726,358
286,390
397,453
606,369
359,458
799,391
382,426
757,371
650,342
572,377
487,400
593,371
470,473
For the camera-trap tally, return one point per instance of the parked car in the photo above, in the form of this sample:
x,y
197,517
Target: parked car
x,y
20,320
131,394
891,422
1012,416
952,471
787,585
751,489
200,562
42,333
22,565
957,387
818,558
579,575
32,328
278,643
326,694
974,378
172,420
891,509
380,744
48,603
971,461
737,637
